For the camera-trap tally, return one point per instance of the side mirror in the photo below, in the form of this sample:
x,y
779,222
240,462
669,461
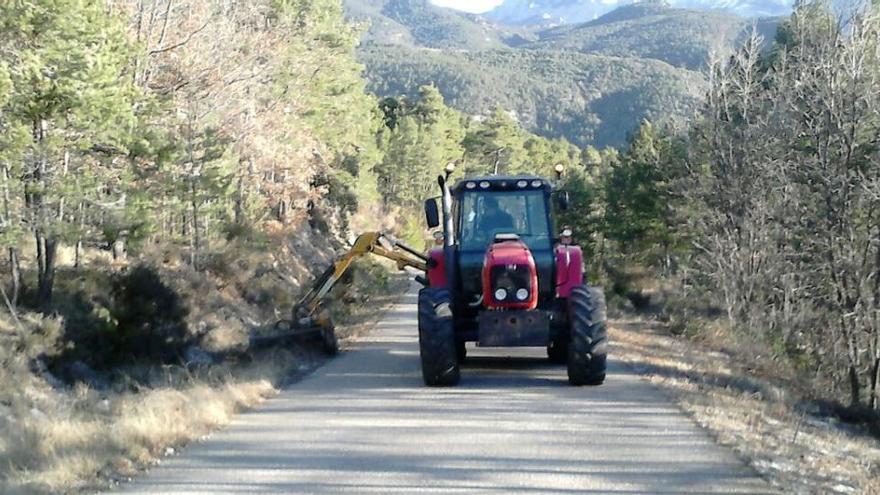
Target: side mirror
x,y
432,213
563,201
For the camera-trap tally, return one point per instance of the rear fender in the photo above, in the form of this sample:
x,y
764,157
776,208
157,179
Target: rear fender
x,y
569,269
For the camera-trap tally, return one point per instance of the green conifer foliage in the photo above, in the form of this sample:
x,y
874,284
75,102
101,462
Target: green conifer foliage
x,y
66,60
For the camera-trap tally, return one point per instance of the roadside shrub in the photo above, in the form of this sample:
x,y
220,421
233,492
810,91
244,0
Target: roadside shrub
x,y
628,280
23,340
82,301
149,317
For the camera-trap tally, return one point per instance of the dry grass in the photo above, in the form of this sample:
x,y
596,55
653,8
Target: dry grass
x,y
758,416
55,441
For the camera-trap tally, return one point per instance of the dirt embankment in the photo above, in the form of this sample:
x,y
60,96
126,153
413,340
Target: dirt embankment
x,y
784,437
75,426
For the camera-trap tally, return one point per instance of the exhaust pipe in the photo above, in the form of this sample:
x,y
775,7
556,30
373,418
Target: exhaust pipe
x,y
448,232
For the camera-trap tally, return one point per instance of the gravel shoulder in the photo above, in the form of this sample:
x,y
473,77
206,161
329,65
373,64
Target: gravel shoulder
x,y
795,450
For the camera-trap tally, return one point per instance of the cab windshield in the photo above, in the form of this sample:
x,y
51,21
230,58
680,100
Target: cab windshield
x,y
483,215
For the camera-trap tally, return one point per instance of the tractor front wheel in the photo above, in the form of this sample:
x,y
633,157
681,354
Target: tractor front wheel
x,y
587,350
437,345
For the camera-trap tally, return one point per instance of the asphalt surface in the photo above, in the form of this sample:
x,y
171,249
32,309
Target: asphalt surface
x,y
364,423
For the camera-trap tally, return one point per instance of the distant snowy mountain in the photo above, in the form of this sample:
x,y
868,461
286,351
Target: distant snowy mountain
x,y
556,12
745,8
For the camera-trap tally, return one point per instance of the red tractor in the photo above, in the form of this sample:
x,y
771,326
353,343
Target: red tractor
x,y
503,279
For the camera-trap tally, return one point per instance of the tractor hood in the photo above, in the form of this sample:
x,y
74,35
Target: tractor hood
x,y
471,263
509,276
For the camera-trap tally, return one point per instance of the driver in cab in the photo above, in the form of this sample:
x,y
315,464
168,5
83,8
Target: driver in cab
x,y
494,219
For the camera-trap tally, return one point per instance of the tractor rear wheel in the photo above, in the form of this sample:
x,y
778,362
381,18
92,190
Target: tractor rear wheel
x,y
587,350
437,345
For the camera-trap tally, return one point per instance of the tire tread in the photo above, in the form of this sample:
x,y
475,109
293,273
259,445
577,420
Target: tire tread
x,y
437,347
587,350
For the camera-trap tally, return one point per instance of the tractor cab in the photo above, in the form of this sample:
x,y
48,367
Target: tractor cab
x,y
502,277
490,215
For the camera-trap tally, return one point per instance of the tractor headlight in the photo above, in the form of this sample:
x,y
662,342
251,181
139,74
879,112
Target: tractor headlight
x,y
510,284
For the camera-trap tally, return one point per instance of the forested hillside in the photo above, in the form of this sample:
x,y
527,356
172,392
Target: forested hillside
x,y
419,23
571,82
679,37
166,123
588,99
760,223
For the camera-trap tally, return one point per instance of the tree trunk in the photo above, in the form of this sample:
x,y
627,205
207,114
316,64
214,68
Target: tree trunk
x,y
47,277
854,387
195,240
282,211
45,247
118,249
238,208
875,378
77,253
41,258
77,261
15,272
14,264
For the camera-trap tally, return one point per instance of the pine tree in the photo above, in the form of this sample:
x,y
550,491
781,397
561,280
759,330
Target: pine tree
x,y
427,135
496,146
66,61
639,214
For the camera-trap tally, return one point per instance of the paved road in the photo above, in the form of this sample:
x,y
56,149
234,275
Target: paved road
x,y
365,424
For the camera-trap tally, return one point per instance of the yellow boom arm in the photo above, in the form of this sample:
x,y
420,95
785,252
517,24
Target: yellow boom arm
x,y
375,243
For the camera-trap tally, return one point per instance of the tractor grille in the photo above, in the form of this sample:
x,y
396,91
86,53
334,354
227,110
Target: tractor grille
x,y
512,279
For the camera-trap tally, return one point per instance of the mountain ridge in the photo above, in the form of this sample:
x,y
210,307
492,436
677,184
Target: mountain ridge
x,y
585,98
549,13
420,23
592,83
684,38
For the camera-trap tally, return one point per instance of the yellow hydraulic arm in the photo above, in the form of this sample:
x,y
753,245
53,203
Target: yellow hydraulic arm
x,y
308,316
375,243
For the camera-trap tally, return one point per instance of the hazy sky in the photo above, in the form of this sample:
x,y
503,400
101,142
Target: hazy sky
x,y
468,5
